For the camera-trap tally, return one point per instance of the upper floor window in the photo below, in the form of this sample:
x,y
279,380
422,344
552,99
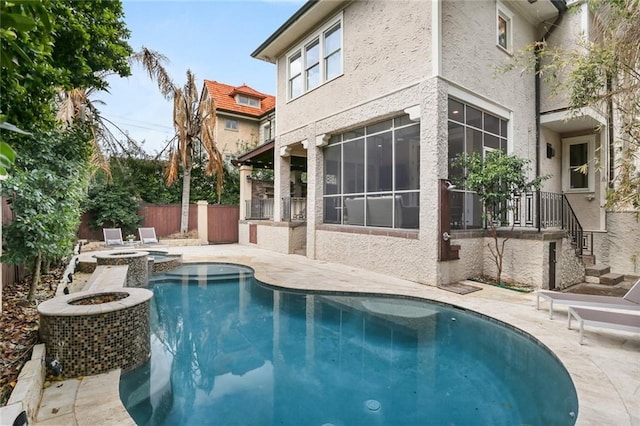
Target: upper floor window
x,y
230,124
316,61
248,101
266,131
504,28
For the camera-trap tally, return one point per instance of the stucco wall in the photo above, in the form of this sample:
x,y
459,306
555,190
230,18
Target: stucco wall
x,y
385,48
566,36
624,242
469,30
389,255
236,141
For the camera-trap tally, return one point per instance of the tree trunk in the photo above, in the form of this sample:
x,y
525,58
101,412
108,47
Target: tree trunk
x,y
186,190
35,278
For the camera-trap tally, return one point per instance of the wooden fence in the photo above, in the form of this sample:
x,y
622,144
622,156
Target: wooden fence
x,y
165,218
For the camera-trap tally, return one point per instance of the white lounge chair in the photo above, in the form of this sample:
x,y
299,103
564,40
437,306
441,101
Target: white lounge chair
x,y
148,235
631,300
604,319
113,237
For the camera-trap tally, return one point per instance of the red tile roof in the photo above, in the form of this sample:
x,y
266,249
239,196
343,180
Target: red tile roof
x,y
224,95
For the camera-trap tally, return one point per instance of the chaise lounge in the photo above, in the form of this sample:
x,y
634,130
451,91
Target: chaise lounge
x,y
113,237
603,319
631,300
148,236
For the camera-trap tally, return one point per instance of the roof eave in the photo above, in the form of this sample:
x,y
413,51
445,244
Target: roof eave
x,y
308,16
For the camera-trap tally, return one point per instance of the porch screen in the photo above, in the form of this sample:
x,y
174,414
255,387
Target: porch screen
x,y
471,130
372,175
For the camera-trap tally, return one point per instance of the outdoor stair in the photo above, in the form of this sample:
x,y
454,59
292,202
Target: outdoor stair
x,y
601,274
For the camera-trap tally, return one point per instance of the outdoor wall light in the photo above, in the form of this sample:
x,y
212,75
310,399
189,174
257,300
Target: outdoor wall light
x,y
449,185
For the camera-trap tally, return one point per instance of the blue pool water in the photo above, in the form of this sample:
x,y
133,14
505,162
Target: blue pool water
x,y
227,350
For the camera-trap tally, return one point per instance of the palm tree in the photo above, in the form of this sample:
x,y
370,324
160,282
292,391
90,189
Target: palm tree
x,y
194,120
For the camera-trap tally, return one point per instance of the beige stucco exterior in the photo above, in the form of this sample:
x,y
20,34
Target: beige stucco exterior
x,y
234,142
397,63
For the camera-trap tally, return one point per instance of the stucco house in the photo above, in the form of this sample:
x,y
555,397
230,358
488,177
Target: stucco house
x,y
375,98
244,116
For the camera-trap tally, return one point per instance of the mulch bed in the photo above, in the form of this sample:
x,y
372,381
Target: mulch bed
x,y
19,327
509,285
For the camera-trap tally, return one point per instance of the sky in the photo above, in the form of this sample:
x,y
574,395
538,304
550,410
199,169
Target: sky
x,y
214,39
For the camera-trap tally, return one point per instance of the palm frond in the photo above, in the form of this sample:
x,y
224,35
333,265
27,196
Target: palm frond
x,y
153,63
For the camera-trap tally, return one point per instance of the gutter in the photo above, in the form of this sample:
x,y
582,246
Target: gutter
x,y
561,5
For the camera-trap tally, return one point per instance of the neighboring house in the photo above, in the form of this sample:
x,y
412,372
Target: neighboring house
x,y
375,98
244,116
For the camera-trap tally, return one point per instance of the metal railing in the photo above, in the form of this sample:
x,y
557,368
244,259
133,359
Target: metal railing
x,y
259,209
546,210
294,209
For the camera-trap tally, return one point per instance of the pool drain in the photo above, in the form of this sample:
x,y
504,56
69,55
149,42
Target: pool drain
x,y
372,405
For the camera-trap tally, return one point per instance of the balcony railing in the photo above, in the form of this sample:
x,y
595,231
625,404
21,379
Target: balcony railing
x,y
294,209
260,209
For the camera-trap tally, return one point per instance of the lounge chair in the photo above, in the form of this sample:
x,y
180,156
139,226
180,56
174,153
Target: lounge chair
x,y
113,237
605,319
631,300
148,235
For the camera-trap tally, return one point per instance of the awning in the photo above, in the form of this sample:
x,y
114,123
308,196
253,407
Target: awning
x,y
261,157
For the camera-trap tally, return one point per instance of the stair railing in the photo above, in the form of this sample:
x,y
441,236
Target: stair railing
x,y
572,225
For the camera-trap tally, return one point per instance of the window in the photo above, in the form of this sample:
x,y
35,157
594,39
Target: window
x,y
230,124
471,130
576,155
372,175
248,101
504,28
266,131
316,61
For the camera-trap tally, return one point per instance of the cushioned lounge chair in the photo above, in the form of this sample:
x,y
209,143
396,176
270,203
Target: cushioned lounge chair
x,y
148,235
631,300
604,319
113,237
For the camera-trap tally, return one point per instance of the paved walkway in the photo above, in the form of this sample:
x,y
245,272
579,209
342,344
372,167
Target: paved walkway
x,y
605,370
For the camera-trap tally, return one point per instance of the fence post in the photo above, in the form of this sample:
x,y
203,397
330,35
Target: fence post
x,y
245,190
203,222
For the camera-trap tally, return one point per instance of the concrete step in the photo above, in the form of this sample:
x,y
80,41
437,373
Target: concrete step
x,y
589,259
611,278
597,270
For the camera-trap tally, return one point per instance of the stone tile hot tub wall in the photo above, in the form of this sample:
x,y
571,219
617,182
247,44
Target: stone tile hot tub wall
x,y
93,339
138,273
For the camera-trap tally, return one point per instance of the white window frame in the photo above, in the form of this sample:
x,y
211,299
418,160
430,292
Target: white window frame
x,y
248,103
300,49
503,13
590,140
228,127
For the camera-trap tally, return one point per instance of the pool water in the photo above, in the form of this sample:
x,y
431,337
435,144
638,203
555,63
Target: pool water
x,y
227,350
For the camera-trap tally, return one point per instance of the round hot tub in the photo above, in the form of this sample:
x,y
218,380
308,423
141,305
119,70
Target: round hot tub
x,y
94,332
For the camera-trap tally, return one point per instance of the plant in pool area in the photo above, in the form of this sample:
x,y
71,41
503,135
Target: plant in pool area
x,y
497,178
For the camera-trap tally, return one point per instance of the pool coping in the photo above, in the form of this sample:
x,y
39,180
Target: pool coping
x,y
605,371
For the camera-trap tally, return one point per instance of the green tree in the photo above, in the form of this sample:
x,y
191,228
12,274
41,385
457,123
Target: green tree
x,y
44,192
57,45
497,178
113,206
194,119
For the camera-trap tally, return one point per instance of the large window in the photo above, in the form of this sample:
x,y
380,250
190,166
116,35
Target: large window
x,y
316,61
372,175
248,101
471,130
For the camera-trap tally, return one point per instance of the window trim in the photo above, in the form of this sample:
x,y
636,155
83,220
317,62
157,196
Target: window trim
x,y
502,12
300,49
248,103
229,120
566,175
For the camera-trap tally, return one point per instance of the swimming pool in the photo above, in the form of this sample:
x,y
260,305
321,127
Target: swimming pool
x,y
228,350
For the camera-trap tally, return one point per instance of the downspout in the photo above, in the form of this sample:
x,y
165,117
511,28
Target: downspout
x,y
561,5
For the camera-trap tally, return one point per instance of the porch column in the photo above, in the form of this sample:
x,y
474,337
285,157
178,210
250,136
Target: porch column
x,y
245,189
281,180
